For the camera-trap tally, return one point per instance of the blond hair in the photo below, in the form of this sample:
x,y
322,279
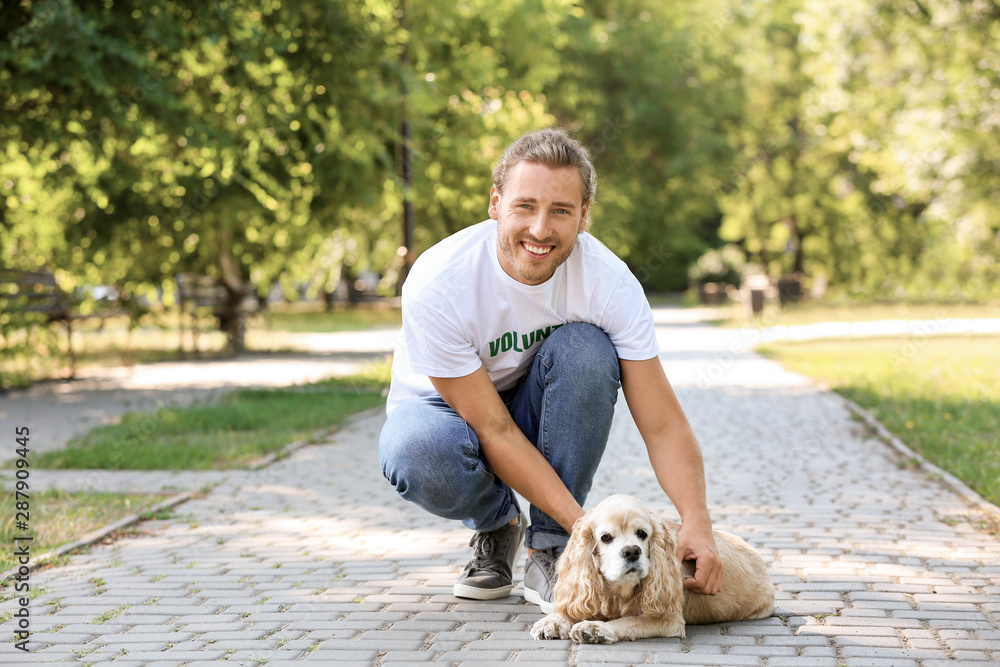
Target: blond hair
x,y
554,148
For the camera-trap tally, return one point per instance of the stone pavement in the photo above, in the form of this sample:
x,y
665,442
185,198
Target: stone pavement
x,y
315,559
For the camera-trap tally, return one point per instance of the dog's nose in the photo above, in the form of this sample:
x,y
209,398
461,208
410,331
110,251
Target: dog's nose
x,y
631,553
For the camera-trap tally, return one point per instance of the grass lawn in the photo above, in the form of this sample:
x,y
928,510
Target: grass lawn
x,y
320,321
820,311
233,432
941,396
58,518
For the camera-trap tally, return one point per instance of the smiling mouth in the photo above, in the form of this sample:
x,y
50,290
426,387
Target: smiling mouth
x,y
536,250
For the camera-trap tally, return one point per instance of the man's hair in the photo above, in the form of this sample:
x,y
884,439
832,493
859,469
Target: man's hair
x,y
554,148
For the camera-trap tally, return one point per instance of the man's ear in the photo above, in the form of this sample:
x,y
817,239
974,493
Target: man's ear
x,y
494,210
584,217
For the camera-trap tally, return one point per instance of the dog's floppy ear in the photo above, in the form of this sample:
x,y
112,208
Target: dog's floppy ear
x,y
578,588
662,591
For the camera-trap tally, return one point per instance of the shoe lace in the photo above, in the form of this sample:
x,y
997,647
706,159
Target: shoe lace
x,y
548,562
483,546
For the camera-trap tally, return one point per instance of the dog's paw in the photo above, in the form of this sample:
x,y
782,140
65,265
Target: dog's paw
x,y
551,627
676,629
592,632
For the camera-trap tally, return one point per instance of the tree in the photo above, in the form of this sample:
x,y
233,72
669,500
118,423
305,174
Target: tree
x,y
648,88
227,141
864,145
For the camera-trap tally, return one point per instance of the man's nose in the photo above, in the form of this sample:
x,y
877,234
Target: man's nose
x,y
541,227
631,553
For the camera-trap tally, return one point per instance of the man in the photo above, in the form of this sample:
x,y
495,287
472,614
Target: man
x,y
517,333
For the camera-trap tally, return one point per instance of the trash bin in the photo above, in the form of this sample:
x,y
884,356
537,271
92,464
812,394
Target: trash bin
x,y
754,291
790,289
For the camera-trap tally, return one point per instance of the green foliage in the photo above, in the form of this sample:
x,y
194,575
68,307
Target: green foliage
x,y
722,265
863,134
338,320
646,87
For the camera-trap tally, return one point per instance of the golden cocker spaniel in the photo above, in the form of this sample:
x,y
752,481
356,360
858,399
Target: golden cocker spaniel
x,y
619,579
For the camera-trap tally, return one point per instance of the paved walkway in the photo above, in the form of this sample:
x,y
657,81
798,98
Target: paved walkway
x,y
315,559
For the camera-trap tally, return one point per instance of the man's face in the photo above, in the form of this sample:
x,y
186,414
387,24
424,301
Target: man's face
x,y
538,217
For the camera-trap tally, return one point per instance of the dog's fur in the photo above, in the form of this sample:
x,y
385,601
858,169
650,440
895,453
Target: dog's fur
x,y
619,579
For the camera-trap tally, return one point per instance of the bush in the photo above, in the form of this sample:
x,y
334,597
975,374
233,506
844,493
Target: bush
x,y
721,265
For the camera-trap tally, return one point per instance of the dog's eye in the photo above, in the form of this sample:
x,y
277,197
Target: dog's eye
x,y
607,538
641,534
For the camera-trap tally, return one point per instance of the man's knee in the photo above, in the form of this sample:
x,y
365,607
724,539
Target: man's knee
x,y
402,446
423,463
579,347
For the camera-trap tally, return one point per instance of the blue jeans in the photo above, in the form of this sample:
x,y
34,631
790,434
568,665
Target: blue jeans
x,y
563,405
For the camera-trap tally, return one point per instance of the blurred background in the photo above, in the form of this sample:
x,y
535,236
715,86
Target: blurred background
x,y
183,167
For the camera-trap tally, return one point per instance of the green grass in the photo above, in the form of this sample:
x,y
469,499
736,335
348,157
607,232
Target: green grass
x,y
233,432
58,518
941,396
318,321
819,311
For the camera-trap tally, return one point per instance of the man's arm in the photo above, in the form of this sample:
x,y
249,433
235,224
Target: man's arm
x,y
509,453
677,462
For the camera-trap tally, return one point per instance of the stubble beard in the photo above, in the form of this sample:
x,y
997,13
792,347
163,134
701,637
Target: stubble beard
x,y
529,272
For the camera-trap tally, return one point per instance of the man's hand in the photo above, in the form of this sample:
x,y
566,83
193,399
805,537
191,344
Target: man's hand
x,y
676,458
697,544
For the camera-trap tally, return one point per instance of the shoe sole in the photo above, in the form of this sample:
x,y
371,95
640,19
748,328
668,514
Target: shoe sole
x,y
473,593
534,598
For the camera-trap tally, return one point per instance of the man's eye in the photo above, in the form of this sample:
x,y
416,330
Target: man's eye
x,y
562,211
641,534
607,539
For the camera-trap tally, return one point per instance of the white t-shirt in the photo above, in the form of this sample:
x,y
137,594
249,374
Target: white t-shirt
x,y
461,311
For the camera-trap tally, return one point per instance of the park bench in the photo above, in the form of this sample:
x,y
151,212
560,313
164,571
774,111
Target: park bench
x,y
199,296
26,293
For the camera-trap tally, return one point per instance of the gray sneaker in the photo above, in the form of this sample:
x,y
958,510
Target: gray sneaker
x,y
488,575
540,578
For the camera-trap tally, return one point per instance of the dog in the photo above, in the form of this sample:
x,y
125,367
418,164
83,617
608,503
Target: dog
x,y
619,579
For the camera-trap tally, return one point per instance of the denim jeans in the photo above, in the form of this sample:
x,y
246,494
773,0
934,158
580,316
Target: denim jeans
x,y
563,405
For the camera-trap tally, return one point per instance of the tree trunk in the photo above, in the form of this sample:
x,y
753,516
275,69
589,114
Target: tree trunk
x,y
231,314
233,321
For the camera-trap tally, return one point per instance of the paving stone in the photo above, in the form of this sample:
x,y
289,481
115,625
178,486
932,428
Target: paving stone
x,y
127,638
973,644
722,640
763,651
693,659
846,631
403,658
972,656
548,656
797,640
480,657
57,639
351,654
